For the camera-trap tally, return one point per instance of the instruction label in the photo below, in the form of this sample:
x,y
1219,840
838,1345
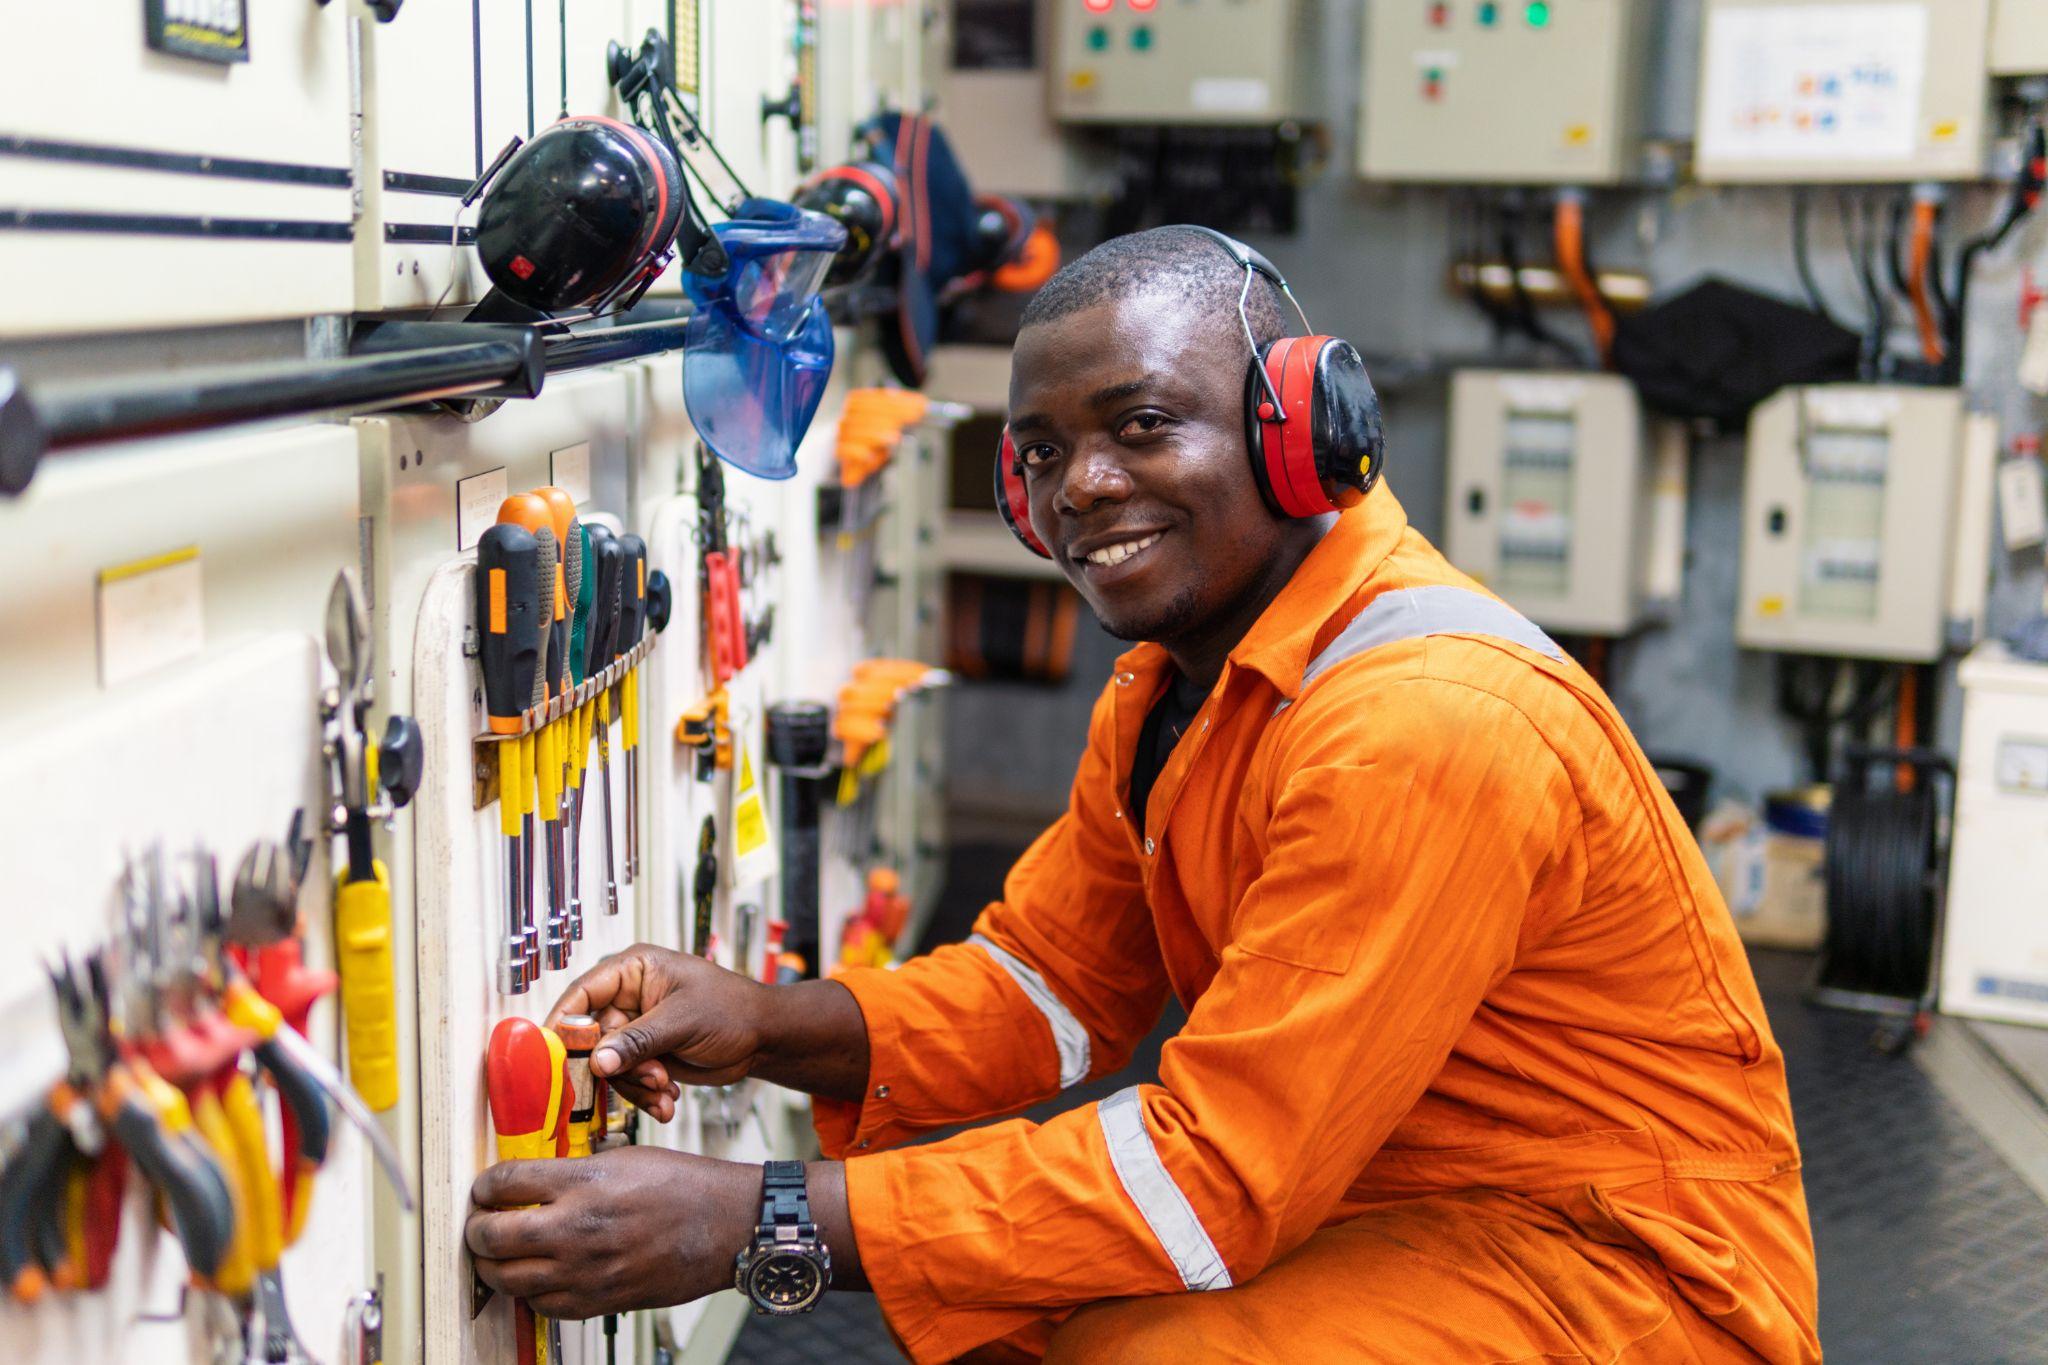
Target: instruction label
x,y
1816,82
150,613
476,506
569,470
1230,94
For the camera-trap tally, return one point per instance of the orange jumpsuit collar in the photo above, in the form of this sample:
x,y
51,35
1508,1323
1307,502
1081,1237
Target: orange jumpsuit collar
x,y
1281,642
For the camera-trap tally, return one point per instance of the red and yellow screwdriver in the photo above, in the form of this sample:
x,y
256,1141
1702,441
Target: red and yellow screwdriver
x,y
524,1074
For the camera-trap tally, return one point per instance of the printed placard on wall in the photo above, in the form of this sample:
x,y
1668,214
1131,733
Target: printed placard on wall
x,y
476,506
1814,82
150,614
204,30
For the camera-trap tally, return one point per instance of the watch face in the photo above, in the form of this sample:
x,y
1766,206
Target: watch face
x,y
785,1283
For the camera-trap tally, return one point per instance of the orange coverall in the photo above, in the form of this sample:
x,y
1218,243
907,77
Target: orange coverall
x,y
1474,1066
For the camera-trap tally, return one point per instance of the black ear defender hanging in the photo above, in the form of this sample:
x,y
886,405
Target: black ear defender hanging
x,y
1312,421
579,218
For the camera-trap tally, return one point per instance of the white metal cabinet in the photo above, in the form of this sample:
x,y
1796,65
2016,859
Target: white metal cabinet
x,y
1548,484
1848,503
1994,954
139,189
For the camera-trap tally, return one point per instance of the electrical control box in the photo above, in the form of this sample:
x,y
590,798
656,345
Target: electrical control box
x,y
1548,487
169,169
1520,92
1994,952
2019,37
1241,62
1848,500
1843,90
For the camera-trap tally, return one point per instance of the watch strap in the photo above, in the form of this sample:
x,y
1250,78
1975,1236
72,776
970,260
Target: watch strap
x,y
784,1199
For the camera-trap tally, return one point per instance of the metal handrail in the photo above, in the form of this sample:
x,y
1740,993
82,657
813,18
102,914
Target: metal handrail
x,y
455,360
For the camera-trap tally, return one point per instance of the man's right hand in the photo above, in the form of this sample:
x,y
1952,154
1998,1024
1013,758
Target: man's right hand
x,y
671,1019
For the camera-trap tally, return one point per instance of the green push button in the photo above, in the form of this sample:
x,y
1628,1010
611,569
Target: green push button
x,y
1098,38
1141,38
1489,14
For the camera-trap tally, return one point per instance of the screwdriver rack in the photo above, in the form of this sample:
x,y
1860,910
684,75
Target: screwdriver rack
x,y
484,757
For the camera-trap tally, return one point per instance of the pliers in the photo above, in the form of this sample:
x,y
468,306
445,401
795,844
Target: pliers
x,y
147,1116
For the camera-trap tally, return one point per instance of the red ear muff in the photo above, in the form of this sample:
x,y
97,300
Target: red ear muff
x,y
1012,500
1322,449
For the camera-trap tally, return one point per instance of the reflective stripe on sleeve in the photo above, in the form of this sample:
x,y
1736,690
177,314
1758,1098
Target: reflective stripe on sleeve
x,y
1166,1210
1437,609
1067,1033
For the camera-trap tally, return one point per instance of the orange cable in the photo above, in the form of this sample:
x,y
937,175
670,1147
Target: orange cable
x,y
1570,227
1931,345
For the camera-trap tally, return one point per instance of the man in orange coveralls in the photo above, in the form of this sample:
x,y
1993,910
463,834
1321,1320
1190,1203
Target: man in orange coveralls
x,y
1474,1068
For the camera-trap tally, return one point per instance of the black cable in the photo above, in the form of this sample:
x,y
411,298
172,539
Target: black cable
x,y
1880,863
2026,193
1524,314
1808,688
1894,244
1469,215
1878,324
1802,256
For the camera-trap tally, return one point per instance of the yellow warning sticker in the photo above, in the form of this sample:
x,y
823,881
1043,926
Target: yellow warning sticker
x,y
1578,135
749,817
1771,606
750,825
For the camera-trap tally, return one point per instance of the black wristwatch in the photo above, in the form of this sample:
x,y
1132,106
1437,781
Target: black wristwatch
x,y
786,1268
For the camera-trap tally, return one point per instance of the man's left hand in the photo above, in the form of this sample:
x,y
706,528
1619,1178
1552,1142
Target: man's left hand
x,y
639,1227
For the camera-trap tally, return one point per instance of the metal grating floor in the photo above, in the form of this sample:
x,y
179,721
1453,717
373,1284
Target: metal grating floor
x,y
1932,1250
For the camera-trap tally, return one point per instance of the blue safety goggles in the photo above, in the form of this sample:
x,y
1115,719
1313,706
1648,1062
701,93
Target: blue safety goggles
x,y
758,349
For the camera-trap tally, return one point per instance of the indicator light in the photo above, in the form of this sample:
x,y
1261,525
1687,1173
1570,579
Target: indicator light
x,y
1141,38
1538,13
1440,15
1099,6
1144,6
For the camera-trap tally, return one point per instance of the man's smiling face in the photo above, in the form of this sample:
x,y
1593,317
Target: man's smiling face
x,y
1129,419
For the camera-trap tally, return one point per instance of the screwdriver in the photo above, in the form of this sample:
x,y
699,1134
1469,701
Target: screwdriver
x,y
554,747
523,1073
570,540
531,511
508,628
632,625
608,562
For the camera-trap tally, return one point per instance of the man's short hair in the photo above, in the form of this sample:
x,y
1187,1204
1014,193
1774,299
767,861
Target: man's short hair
x,y
1178,262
